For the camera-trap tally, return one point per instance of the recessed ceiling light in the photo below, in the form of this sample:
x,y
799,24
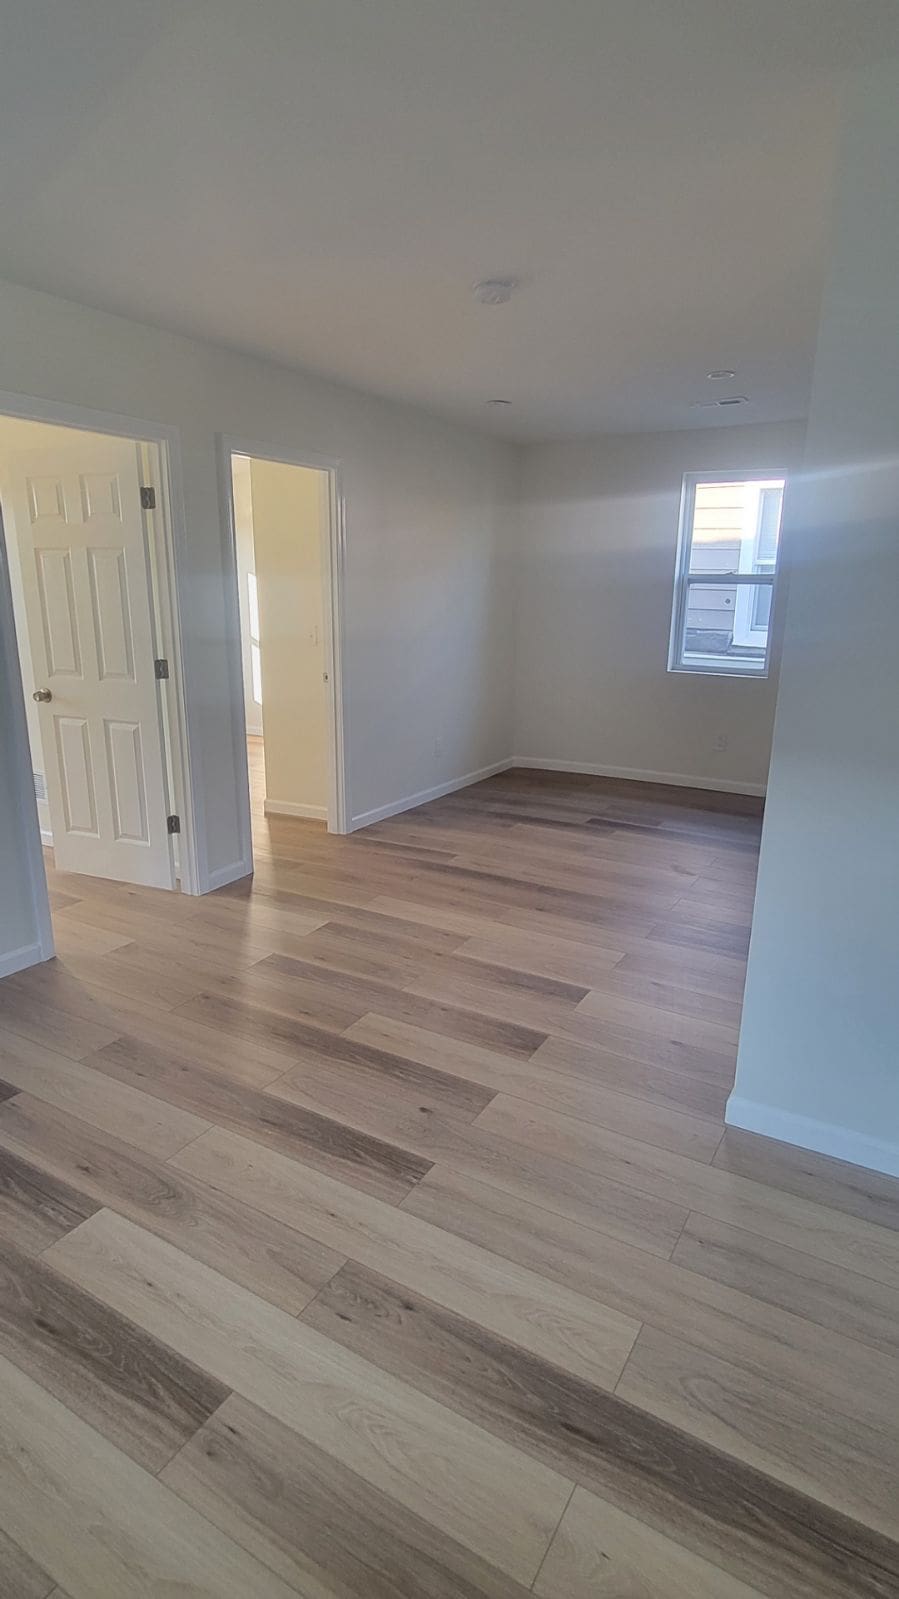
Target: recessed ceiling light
x,y
494,291
721,372
497,402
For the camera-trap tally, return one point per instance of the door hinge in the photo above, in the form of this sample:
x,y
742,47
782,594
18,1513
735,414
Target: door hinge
x,y
173,824
161,668
147,499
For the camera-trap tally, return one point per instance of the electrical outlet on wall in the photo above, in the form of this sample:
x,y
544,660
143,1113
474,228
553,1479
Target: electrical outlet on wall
x,y
719,743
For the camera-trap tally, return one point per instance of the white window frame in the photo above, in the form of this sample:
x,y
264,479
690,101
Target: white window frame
x,y
684,580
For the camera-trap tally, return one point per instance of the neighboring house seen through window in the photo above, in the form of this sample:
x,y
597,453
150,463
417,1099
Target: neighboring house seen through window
x,y
726,573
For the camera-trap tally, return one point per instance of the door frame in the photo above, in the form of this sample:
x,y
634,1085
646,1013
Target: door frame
x,y
333,570
26,804
168,533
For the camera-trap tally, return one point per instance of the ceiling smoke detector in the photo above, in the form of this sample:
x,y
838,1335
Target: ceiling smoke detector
x,y
494,291
721,372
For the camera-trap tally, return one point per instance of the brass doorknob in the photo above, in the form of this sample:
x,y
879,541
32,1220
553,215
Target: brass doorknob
x,y
42,695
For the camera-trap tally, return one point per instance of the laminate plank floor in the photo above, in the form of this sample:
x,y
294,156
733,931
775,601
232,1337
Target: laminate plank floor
x,y
369,1230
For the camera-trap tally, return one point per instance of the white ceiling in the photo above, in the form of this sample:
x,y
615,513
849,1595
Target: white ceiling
x,y
322,181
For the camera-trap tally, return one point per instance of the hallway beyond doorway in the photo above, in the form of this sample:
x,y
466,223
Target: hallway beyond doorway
x,y
281,514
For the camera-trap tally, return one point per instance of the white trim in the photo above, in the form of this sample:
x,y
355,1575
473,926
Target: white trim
x,y
315,813
409,801
228,874
16,960
46,838
193,867
168,524
716,785
233,653
334,565
825,1138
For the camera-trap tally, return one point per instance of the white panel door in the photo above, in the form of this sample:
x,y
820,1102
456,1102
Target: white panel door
x,y
81,531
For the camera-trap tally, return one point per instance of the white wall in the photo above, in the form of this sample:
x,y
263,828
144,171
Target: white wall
x,y
246,563
819,1049
598,539
290,508
427,630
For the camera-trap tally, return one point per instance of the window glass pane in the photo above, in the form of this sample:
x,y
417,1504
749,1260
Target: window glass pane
x,y
718,516
761,610
256,669
726,626
253,603
736,526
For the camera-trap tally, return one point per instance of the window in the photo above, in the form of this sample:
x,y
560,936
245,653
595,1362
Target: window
x,y
255,651
726,573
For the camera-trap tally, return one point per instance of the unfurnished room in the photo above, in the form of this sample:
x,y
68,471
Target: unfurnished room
x,y
449,757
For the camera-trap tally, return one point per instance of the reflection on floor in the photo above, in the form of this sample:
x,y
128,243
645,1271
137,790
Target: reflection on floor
x,y
369,1229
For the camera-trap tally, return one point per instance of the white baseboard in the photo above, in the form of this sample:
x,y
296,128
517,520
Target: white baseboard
x,y
316,813
718,785
841,1143
16,960
409,801
539,764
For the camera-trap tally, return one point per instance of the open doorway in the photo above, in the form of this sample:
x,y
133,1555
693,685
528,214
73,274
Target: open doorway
x,y
286,556
83,524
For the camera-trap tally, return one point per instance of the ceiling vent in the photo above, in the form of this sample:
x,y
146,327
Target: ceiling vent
x,y
713,405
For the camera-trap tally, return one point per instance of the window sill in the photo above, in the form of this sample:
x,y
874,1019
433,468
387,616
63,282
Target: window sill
x,y
715,669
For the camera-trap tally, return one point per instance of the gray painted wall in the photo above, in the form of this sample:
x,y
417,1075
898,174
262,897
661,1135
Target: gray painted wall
x,y
24,923
598,540
819,1051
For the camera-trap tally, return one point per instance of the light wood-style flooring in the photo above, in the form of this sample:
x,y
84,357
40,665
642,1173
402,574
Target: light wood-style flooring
x,y
370,1231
